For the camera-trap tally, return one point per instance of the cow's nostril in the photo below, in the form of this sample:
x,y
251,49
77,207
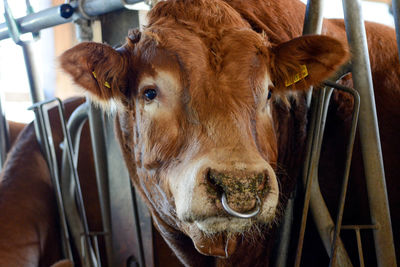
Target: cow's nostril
x,y
262,182
212,184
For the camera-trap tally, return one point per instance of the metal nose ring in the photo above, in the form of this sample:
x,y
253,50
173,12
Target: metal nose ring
x,y
232,212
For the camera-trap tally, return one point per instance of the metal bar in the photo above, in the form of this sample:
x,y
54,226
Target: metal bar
x,y
96,249
369,135
146,228
74,126
68,148
126,219
313,195
51,17
319,210
359,246
71,191
35,92
52,162
349,152
361,227
4,135
97,134
321,215
14,30
396,14
44,137
138,232
313,25
313,17
311,164
285,233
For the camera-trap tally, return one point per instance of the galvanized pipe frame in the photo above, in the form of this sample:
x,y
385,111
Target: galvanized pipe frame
x,y
48,18
313,196
120,183
311,150
357,229
313,25
71,190
97,135
4,135
45,139
68,148
346,173
396,14
51,17
313,18
15,33
369,134
319,210
317,192
71,196
31,70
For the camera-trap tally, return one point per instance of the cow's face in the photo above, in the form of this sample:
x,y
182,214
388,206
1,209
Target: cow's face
x,y
204,130
196,119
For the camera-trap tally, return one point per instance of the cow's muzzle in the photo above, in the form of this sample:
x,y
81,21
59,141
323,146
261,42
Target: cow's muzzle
x,y
240,192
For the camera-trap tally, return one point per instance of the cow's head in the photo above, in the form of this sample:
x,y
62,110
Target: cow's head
x,y
195,113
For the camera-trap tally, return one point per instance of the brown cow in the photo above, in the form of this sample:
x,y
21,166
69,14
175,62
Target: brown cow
x,y
14,130
195,121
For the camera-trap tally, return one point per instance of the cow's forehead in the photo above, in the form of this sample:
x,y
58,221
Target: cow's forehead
x,y
227,72
233,51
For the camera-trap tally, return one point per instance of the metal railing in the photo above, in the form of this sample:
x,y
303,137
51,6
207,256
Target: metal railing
x,y
75,230
45,138
52,16
370,144
369,138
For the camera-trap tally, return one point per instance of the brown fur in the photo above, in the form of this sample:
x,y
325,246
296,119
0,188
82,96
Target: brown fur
x,y
14,130
219,52
216,112
28,217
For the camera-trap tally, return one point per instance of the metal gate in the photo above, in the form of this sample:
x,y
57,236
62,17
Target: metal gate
x,y
108,159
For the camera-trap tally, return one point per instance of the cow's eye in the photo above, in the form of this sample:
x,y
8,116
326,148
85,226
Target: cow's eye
x,y
150,94
269,94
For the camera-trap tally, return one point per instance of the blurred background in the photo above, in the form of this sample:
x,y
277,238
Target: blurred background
x,y
14,88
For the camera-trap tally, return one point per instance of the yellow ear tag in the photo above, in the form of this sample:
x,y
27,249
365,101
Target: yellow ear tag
x,y
106,84
297,77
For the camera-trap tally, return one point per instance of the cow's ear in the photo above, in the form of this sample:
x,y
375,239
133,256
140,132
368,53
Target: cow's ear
x,y
98,68
305,61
